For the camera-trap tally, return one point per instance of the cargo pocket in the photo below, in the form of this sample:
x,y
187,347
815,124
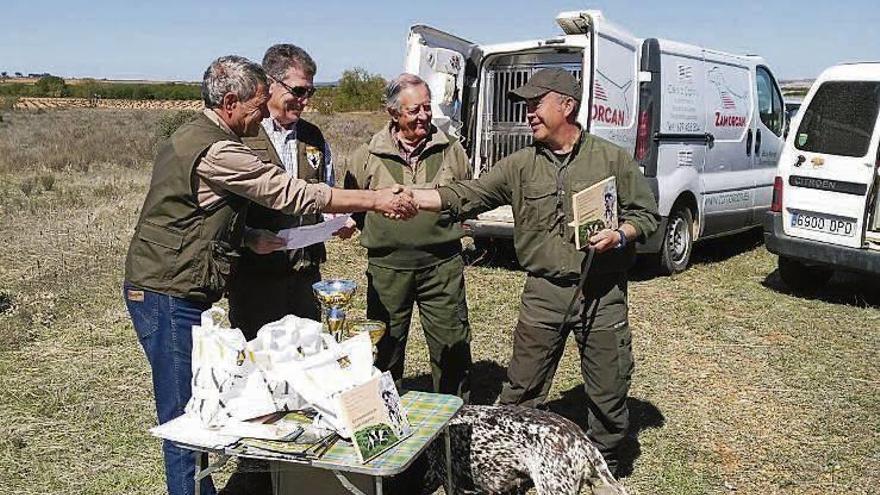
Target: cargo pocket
x,y
149,258
538,206
625,363
217,268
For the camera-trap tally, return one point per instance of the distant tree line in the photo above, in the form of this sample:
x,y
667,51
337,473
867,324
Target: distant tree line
x,y
57,87
357,90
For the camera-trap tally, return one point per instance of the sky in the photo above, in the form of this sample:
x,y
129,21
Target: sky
x,y
176,40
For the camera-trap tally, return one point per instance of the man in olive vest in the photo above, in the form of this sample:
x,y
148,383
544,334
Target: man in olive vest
x,y
418,261
538,182
270,285
186,241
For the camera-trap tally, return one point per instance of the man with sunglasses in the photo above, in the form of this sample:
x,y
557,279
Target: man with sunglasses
x,y
188,235
418,261
269,283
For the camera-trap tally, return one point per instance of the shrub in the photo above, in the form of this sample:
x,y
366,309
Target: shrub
x,y
28,186
47,180
5,302
171,121
8,102
53,86
359,90
322,101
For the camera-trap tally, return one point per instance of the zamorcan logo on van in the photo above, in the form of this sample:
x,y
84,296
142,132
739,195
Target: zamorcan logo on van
x,y
610,101
722,120
730,101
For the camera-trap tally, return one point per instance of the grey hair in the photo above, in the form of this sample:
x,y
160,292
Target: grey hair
x,y
397,85
577,105
231,74
281,57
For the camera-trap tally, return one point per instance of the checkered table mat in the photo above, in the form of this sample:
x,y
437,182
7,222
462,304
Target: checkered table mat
x,y
427,413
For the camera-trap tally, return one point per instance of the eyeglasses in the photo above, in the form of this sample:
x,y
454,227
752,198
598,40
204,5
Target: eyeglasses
x,y
415,110
298,91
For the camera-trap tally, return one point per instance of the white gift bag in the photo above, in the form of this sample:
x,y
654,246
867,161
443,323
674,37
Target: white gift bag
x,y
226,382
306,367
289,339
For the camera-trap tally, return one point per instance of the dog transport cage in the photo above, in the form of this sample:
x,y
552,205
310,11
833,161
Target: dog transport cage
x,y
505,128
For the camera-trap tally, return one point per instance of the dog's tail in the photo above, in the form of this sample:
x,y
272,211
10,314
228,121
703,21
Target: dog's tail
x,y
599,477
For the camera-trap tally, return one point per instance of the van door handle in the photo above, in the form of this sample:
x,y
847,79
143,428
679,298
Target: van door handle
x,y
758,142
749,143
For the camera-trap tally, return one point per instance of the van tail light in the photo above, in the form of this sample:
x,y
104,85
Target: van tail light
x,y
776,204
643,135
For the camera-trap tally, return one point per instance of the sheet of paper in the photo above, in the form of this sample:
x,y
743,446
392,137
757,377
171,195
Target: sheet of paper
x,y
277,431
301,237
189,430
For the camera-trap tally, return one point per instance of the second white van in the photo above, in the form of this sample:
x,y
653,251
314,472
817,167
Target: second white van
x,y
825,214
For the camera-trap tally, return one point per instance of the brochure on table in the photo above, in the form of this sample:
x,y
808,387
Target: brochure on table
x,y
374,417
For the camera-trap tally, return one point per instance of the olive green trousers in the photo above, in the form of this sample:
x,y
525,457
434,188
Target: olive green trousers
x,y
601,329
440,295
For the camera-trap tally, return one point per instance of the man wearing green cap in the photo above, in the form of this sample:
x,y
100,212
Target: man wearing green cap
x,y
538,182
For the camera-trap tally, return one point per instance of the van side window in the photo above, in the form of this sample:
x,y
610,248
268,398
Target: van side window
x,y
770,105
840,118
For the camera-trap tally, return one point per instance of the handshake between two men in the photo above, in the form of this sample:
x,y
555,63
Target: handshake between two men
x,y
402,203
410,201
396,202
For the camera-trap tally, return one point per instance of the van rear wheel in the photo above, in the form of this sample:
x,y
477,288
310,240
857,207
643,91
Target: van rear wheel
x,y
801,277
678,241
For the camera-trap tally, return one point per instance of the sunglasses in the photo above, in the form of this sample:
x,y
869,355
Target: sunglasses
x,y
298,91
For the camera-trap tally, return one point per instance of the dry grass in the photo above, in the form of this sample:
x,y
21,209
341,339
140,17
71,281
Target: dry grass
x,y
740,386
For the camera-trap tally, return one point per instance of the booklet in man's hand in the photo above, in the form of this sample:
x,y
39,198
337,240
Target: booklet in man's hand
x,y
594,209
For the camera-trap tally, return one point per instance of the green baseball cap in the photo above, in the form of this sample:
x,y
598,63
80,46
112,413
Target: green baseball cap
x,y
546,80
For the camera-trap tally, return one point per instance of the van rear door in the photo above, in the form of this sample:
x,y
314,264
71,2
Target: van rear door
x,y
449,65
834,152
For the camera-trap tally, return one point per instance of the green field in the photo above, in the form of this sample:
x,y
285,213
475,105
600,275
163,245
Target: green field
x,y
740,386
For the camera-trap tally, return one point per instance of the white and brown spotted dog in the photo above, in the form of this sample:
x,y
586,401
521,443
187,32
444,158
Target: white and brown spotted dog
x,y
507,449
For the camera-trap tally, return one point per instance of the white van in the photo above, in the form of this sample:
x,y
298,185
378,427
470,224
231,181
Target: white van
x,y
825,213
705,126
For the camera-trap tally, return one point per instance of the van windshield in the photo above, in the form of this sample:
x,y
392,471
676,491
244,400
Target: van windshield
x,y
840,120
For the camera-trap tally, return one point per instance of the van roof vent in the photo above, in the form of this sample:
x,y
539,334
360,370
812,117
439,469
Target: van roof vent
x,y
578,21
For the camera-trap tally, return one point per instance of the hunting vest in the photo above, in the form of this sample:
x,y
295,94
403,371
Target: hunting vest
x,y
180,248
420,242
311,167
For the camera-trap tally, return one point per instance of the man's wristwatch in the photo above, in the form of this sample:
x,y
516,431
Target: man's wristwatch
x,y
623,241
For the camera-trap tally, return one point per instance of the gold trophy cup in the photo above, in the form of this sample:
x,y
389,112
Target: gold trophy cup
x,y
375,328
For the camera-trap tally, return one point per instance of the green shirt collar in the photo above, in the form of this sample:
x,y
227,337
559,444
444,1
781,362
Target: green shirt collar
x,y
383,143
575,150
